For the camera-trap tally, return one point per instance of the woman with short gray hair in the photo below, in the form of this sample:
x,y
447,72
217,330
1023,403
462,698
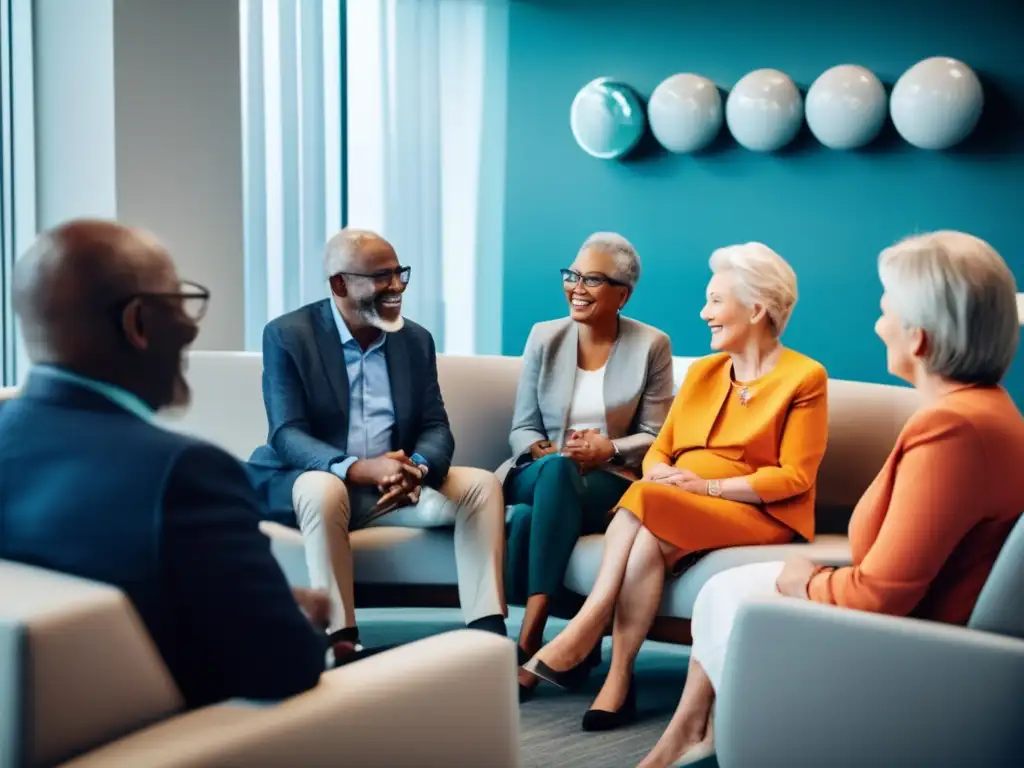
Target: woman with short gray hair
x,y
594,392
927,531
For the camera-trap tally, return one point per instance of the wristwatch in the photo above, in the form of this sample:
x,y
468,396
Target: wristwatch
x,y
617,459
419,461
714,488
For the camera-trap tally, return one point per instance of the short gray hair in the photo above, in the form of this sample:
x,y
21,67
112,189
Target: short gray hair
x,y
958,290
341,250
627,260
763,277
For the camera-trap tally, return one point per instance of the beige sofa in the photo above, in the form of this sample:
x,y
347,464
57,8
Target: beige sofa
x,y
479,392
81,684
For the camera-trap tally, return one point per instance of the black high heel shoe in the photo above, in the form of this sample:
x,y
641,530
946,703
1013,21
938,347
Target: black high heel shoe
x,y
525,691
567,679
603,720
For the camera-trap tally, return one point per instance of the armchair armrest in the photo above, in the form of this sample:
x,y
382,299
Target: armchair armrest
x,y
808,684
287,547
450,699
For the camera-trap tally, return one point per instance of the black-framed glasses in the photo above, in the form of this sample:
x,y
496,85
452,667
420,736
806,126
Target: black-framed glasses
x,y
383,276
191,298
590,280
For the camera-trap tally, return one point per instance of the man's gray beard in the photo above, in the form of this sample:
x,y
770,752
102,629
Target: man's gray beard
x,y
372,317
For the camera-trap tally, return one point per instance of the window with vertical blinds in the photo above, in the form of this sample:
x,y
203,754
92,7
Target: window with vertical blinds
x,y
17,160
386,115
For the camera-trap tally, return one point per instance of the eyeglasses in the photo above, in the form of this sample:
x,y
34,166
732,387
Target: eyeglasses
x,y
383,276
592,280
192,299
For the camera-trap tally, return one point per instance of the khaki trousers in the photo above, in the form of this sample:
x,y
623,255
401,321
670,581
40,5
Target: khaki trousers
x,y
471,499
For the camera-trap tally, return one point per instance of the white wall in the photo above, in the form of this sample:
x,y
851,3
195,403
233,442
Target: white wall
x,y
73,53
179,144
139,118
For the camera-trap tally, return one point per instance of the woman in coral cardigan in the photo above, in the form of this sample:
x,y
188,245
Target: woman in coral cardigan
x,y
927,531
734,464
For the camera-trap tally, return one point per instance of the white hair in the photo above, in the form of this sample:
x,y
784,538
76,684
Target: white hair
x,y
958,290
762,277
627,260
342,249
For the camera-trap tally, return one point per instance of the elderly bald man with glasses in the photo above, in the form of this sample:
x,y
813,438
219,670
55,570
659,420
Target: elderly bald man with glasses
x,y
359,437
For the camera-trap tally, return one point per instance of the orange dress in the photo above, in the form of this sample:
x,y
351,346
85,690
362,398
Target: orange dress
x,y
927,531
775,440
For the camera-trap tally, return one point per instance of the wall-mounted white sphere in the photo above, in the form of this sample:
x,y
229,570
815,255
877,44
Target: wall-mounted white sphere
x,y
846,107
936,103
764,110
685,112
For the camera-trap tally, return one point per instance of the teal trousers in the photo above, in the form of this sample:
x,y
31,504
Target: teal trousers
x,y
554,506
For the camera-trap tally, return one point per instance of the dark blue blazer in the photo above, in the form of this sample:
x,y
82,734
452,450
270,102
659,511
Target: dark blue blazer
x,y
89,489
305,391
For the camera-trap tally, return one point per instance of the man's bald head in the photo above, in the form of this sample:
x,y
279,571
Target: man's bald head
x,y
68,284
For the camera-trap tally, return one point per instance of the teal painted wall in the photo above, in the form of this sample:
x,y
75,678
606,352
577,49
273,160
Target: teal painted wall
x,y
829,213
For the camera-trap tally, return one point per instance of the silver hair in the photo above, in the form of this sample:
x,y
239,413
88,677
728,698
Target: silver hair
x,y
342,249
763,277
958,290
627,260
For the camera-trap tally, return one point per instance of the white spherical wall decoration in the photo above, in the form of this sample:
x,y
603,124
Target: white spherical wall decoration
x,y
846,107
685,113
936,103
764,110
607,118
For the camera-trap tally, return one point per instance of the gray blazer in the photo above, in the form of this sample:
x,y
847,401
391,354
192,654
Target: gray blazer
x,y
637,388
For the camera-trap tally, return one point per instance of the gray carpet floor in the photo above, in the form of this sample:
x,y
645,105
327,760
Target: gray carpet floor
x,y
550,722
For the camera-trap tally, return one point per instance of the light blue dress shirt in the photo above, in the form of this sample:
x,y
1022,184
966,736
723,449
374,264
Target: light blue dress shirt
x,y
371,412
116,395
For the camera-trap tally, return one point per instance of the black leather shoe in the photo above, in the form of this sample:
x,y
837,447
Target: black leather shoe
x,y
347,648
357,653
602,720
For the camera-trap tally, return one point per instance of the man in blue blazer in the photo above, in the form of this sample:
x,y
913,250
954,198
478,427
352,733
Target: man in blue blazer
x,y
359,435
89,486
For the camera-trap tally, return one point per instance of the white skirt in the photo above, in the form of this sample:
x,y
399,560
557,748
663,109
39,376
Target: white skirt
x,y
716,606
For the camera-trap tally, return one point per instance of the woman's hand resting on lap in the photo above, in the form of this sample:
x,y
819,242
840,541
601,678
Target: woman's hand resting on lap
x,y
683,479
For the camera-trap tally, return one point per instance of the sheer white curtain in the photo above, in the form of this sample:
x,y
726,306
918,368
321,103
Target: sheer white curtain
x,y
425,85
423,91
291,106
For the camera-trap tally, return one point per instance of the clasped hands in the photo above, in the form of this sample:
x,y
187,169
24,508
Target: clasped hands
x,y
587,447
397,478
402,487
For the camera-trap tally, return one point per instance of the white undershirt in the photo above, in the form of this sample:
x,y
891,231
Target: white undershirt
x,y
586,411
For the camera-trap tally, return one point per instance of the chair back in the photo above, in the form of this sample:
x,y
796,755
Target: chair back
x,y
77,668
999,605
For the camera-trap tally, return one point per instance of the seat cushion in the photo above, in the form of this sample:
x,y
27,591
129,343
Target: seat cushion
x,y
682,591
426,556
381,555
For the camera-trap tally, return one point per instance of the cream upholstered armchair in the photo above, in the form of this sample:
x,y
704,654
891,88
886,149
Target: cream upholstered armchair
x,y
82,684
810,684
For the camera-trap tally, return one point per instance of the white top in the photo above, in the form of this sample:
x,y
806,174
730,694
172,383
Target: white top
x,y
586,411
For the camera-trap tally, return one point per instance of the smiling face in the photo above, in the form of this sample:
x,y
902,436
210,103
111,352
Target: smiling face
x,y
731,322
902,346
372,288
593,303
